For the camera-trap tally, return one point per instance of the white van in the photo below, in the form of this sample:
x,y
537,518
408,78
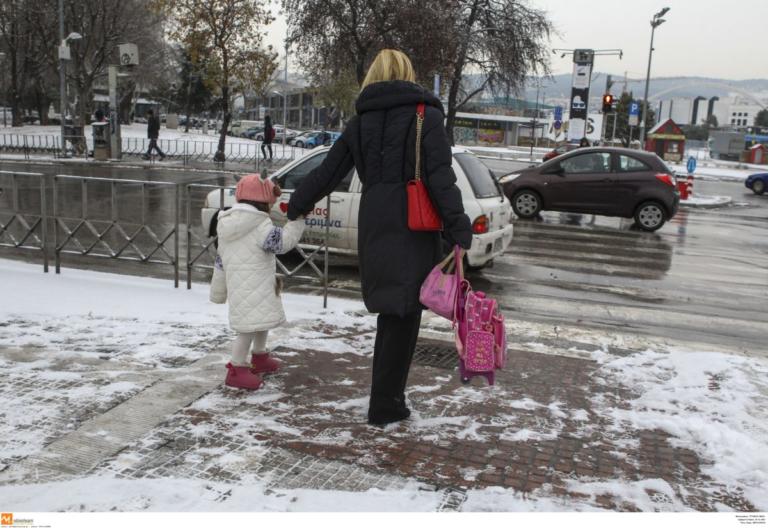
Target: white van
x,y
236,128
487,207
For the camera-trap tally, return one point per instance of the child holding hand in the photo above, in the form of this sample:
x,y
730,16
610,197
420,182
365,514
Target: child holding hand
x,y
244,275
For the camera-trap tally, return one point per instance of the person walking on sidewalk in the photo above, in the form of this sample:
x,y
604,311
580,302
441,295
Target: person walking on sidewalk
x,y
153,132
380,141
244,274
269,135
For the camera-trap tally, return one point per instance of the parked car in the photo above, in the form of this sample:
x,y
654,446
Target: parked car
x,y
757,182
561,149
251,133
278,134
236,128
316,138
484,203
599,180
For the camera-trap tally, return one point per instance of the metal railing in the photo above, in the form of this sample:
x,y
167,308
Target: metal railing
x,y
201,247
24,229
130,220
104,233
28,144
187,150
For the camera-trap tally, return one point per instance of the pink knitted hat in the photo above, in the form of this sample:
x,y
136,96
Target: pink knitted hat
x,y
252,187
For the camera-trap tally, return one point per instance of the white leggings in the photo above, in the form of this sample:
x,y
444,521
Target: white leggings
x,y
241,348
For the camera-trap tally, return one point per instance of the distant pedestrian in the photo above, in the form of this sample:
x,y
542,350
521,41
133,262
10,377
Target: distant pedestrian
x,y
269,135
584,142
153,132
244,274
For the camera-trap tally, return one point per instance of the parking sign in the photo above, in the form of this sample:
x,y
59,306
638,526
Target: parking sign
x,y
634,113
691,165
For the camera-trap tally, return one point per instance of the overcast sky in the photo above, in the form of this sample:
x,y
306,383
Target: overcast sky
x,y
709,38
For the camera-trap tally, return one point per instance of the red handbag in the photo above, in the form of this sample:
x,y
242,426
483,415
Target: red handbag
x,y
422,215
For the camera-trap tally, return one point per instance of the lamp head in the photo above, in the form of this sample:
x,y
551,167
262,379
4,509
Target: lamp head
x,y
74,36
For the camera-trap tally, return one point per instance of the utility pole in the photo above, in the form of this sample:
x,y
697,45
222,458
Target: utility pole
x,y
656,21
62,80
535,115
285,98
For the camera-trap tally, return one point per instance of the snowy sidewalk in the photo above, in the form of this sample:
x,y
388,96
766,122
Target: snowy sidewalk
x,y
112,398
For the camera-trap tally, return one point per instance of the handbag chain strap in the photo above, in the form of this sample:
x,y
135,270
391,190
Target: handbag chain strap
x,y
419,124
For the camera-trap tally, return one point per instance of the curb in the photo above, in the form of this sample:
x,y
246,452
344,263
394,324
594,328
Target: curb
x,y
722,201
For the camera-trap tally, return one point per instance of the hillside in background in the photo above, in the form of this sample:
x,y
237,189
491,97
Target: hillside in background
x,y
560,86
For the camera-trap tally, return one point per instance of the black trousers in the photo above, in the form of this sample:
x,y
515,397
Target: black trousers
x,y
153,145
264,152
392,354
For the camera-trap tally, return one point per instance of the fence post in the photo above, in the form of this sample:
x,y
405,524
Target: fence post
x,y
327,239
176,239
44,222
56,254
189,237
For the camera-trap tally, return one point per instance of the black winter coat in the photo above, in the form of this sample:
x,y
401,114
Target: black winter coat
x,y
380,141
153,127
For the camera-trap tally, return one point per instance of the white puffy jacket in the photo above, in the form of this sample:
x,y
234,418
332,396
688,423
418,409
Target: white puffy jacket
x,y
245,267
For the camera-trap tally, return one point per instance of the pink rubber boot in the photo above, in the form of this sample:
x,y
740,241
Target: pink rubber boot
x,y
263,363
242,378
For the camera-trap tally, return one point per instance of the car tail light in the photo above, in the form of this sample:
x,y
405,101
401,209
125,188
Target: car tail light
x,y
480,225
666,178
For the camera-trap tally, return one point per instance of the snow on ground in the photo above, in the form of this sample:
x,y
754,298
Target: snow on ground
x,y
174,495
103,493
714,404
703,200
135,130
715,173
144,320
711,403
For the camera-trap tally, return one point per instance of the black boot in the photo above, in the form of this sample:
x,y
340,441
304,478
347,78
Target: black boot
x,y
393,351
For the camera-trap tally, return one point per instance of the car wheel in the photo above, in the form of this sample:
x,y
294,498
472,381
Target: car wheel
x,y
758,186
526,203
650,216
300,144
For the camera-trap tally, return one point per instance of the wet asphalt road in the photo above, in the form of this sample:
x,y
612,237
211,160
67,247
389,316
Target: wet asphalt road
x,y
701,280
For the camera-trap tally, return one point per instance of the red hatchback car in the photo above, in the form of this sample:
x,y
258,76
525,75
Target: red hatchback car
x,y
562,149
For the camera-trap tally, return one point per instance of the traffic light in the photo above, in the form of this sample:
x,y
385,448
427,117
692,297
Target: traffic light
x,y
607,103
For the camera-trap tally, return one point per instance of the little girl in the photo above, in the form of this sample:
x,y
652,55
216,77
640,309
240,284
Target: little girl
x,y
245,273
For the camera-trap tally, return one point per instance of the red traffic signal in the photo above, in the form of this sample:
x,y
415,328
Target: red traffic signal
x,y
607,103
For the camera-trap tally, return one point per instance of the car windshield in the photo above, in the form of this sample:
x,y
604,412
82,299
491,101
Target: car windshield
x,y
479,176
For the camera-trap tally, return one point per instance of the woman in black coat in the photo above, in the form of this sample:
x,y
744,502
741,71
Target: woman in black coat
x,y
268,135
380,142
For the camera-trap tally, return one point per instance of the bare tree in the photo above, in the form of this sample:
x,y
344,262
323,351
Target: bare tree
x,y
228,33
15,38
501,42
104,24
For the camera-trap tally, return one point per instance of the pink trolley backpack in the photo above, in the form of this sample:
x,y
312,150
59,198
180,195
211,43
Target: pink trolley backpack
x,y
481,338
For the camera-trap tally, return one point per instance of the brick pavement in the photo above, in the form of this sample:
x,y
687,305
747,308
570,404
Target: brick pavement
x,y
536,432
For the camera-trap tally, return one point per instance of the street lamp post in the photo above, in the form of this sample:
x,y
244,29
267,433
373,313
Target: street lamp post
x,y
63,56
655,22
285,98
5,95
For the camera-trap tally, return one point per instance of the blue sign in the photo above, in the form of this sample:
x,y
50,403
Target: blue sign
x,y
691,165
558,114
634,108
557,124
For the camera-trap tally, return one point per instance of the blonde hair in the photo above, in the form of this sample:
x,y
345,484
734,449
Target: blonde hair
x,y
390,65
